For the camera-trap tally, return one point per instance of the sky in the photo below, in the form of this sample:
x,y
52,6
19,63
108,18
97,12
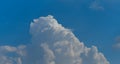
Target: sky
x,y
93,22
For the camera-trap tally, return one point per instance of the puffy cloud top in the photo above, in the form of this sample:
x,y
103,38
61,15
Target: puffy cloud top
x,y
51,44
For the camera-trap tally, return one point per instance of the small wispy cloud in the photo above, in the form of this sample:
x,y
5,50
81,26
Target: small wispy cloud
x,y
117,46
95,5
117,43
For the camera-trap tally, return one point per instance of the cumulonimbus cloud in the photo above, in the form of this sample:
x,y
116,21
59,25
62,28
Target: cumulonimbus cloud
x,y
51,44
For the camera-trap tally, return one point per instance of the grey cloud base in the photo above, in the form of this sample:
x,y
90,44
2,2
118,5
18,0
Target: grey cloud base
x,y
51,44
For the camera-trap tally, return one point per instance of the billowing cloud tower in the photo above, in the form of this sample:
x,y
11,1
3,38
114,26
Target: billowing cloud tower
x,y
51,44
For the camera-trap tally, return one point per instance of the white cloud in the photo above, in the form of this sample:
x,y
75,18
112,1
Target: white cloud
x,y
51,44
49,54
95,5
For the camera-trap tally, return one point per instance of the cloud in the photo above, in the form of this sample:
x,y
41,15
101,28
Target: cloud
x,y
117,44
51,44
95,5
11,55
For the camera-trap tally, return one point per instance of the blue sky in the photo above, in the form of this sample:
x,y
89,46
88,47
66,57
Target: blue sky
x,y
94,22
